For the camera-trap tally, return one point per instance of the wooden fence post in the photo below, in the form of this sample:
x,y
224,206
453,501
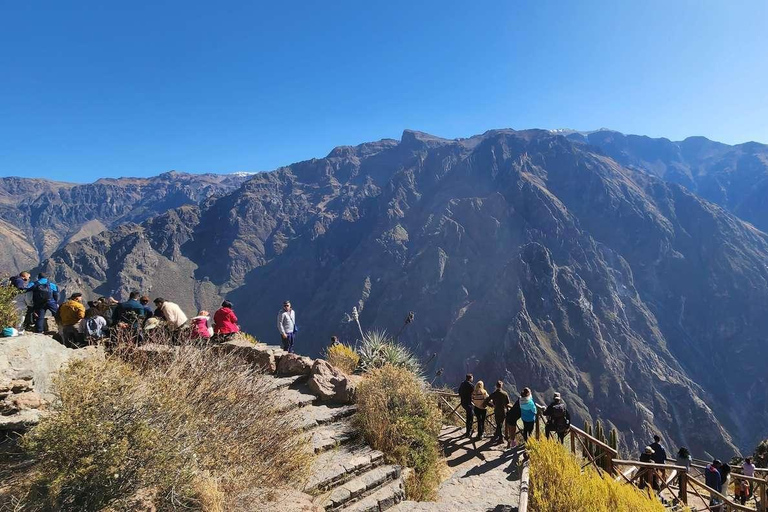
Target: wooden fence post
x,y
538,425
684,487
573,443
762,506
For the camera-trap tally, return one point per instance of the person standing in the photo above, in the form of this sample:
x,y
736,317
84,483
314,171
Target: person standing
x,y
286,324
480,402
45,297
500,400
558,418
527,412
748,469
70,314
713,480
510,423
683,459
22,300
465,395
225,322
659,453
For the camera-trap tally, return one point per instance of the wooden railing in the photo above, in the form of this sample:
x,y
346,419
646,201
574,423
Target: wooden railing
x,y
671,478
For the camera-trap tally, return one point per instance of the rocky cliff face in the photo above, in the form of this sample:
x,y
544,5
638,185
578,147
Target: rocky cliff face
x,y
734,177
525,255
38,216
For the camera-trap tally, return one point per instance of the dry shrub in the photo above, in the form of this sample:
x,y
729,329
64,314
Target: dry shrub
x,y
343,357
398,417
557,484
194,429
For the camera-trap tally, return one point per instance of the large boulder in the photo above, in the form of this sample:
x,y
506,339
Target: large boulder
x,y
28,367
291,365
330,384
263,356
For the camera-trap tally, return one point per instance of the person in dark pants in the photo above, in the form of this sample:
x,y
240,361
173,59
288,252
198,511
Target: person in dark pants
x,y
45,297
465,395
527,412
286,325
558,418
480,403
500,400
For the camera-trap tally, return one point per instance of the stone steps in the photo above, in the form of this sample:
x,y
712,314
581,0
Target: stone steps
x,y
335,467
319,415
384,498
358,488
285,382
296,396
325,437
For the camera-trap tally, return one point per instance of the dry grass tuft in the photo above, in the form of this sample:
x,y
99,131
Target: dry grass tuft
x,y
557,484
398,417
343,357
197,428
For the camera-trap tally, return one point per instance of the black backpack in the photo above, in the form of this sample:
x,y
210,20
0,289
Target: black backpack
x,y
558,415
41,294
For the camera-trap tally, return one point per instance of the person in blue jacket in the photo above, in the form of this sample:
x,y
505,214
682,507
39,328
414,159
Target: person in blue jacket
x,y
45,297
527,412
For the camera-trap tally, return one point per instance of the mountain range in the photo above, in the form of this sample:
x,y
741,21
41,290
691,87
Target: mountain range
x,y
600,265
38,216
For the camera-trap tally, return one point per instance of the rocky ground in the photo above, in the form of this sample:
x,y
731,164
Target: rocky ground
x,y
483,477
346,474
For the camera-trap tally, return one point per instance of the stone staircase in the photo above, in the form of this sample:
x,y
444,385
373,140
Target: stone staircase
x,y
346,474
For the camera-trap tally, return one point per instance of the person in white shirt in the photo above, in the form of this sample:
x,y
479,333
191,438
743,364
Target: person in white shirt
x,y
748,469
286,325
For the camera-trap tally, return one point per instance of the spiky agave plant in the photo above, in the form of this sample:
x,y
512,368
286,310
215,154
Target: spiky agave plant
x,y
378,349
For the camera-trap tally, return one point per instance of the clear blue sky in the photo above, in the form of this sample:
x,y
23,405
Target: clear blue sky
x,y
91,89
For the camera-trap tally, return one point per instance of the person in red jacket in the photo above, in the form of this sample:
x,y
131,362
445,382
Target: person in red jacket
x,y
225,322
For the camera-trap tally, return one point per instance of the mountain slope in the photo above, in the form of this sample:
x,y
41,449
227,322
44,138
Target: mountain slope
x,y
525,255
735,177
50,214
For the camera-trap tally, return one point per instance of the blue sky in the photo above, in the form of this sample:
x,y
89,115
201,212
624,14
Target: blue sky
x,y
91,89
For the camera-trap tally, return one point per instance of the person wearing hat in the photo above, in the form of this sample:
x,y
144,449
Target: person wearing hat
x,y
286,325
70,314
558,418
649,477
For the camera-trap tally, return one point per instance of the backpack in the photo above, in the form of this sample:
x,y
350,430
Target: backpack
x,y
514,413
558,415
92,328
41,294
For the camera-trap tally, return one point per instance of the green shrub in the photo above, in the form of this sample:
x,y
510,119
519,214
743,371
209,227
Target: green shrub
x,y
195,429
343,357
9,316
398,417
378,350
558,483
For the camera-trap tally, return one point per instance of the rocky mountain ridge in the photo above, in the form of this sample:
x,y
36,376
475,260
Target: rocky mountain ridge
x,y
734,177
38,216
526,256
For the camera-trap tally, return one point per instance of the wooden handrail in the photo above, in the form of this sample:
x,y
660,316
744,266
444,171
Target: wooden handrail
x,y
639,464
725,499
595,440
522,503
